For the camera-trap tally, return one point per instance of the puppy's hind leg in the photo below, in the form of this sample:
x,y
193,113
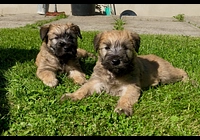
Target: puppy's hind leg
x,y
184,75
81,53
174,75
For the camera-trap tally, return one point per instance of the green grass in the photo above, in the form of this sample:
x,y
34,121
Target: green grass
x,y
42,22
28,107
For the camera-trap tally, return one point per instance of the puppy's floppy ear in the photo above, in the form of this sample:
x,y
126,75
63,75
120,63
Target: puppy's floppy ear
x,y
136,38
43,31
76,30
96,41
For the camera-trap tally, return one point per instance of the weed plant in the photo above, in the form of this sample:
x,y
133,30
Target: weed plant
x,y
180,17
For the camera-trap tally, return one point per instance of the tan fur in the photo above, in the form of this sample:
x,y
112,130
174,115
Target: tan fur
x,y
48,64
148,70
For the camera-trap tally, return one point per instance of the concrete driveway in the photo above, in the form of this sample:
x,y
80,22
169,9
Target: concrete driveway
x,y
139,24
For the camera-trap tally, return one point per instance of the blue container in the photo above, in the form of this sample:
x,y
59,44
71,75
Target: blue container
x,y
108,11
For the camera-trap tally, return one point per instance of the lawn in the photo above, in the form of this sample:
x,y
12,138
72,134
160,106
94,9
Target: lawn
x,y
28,107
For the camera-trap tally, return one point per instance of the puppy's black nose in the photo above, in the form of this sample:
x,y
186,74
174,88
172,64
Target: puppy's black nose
x,y
62,43
67,49
115,62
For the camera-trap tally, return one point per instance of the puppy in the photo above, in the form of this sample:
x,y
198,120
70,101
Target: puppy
x,y
59,52
120,72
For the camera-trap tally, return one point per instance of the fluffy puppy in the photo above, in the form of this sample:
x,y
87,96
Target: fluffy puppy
x,y
120,72
59,52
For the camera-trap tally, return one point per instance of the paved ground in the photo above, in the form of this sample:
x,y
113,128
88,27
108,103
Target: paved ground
x,y
142,25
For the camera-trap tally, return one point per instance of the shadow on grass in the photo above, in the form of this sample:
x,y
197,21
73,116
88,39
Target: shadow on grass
x,y
8,58
87,65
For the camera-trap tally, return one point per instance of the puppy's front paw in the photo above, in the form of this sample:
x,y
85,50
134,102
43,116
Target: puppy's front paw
x,y
78,77
80,80
126,111
71,96
51,83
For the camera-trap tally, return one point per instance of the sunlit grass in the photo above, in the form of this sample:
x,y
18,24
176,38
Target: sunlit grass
x,y
28,107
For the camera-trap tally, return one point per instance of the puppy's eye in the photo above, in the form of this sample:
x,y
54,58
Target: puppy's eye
x,y
56,37
53,38
68,36
107,48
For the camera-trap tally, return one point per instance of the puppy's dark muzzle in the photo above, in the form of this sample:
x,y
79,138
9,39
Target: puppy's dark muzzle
x,y
67,46
115,61
65,49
